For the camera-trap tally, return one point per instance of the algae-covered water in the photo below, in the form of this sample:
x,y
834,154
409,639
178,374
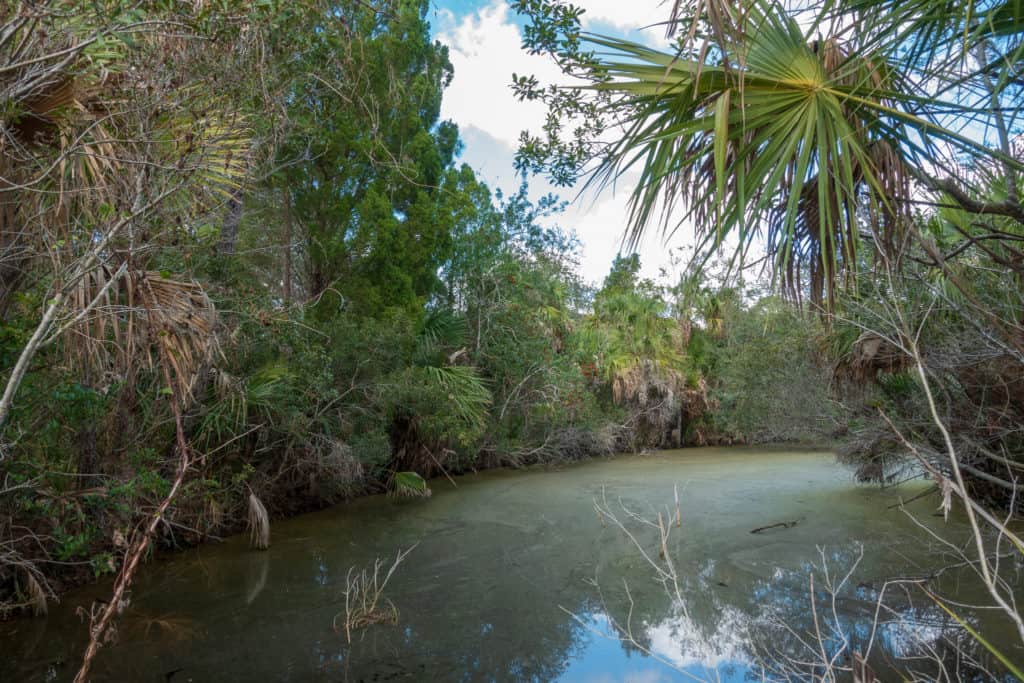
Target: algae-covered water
x,y
517,578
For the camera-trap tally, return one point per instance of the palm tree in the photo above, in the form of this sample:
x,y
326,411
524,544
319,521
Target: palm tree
x,y
815,134
112,134
822,127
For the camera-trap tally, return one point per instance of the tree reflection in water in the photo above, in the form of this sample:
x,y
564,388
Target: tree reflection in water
x,y
774,631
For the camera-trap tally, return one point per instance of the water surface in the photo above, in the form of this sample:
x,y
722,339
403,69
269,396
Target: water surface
x,y
517,578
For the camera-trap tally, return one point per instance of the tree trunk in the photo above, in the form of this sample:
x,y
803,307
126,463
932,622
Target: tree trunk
x,y
286,277
229,231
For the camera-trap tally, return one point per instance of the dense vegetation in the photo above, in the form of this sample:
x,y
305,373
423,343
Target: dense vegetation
x,y
254,245
877,148
242,270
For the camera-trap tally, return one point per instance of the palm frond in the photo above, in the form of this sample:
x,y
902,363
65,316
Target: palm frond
x,y
409,485
468,396
128,319
259,523
781,135
91,130
440,329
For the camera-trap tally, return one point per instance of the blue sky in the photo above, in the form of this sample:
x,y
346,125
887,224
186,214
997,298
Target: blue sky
x,y
484,40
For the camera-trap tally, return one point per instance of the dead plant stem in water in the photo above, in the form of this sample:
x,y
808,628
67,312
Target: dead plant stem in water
x,y
365,604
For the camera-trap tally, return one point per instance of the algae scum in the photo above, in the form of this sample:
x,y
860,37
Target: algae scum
x,y
516,577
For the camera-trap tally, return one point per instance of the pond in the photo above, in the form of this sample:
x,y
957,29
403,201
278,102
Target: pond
x,y
516,577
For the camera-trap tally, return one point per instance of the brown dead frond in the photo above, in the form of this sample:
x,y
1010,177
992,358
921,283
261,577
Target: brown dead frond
x,y
259,524
659,398
225,386
166,627
182,318
215,515
645,380
122,318
872,356
93,127
35,594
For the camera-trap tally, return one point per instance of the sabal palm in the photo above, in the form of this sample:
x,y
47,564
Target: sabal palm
x,y
761,130
627,329
90,102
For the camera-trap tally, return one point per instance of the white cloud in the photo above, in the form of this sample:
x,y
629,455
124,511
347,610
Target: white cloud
x,y
601,225
485,50
684,643
626,16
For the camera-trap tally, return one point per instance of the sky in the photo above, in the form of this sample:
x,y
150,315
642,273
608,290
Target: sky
x,y
484,41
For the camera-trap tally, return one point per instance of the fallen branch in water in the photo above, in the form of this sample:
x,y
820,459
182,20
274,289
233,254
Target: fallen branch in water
x,y
777,525
902,502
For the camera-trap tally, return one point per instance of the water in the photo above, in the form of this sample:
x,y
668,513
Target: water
x,y
517,578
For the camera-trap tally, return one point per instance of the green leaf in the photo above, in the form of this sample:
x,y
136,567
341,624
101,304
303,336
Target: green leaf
x,y
409,485
721,145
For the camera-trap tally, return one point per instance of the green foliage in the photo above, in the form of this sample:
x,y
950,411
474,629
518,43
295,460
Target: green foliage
x,y
409,485
771,380
365,160
385,317
468,397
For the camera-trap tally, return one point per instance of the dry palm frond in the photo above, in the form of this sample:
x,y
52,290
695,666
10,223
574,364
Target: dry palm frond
x,y
216,516
645,379
131,318
31,589
685,331
870,357
259,524
225,386
166,627
87,105
35,594
182,318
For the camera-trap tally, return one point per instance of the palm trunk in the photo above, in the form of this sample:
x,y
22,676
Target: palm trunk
x,y
229,231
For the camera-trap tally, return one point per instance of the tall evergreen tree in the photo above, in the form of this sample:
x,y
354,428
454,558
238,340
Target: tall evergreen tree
x,y
367,162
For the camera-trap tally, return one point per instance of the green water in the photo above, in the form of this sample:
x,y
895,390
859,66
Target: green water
x,y
515,578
